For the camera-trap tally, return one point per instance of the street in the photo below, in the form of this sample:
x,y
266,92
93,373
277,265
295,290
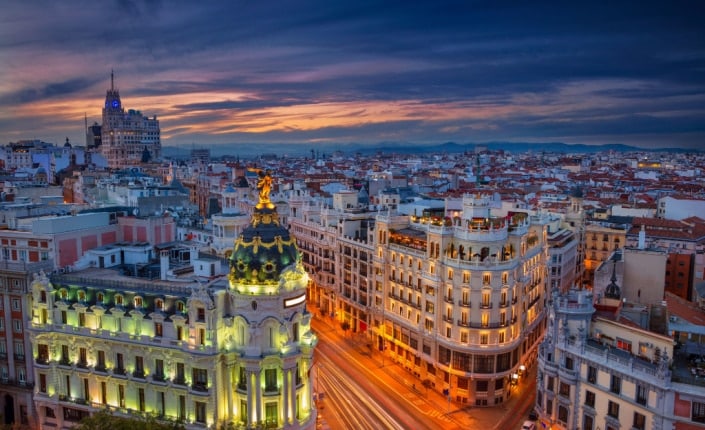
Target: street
x,y
361,390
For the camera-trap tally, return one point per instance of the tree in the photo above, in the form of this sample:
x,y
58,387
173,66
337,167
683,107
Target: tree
x,y
345,326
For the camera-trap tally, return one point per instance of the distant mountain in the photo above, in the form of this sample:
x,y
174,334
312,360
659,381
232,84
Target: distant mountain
x,y
303,149
452,147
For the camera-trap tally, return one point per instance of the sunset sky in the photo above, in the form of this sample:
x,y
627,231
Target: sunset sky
x,y
359,72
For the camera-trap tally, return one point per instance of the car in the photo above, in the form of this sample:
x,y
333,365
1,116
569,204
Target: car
x,y
528,425
533,416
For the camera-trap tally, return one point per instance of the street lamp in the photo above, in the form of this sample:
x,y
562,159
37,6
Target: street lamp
x,y
522,370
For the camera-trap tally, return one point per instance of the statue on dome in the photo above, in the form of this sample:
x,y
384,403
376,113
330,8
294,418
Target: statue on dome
x,y
264,185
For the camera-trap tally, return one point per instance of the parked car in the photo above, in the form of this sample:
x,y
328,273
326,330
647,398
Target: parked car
x,y
533,416
528,425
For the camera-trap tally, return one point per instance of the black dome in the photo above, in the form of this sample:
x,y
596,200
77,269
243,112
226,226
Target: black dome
x,y
263,250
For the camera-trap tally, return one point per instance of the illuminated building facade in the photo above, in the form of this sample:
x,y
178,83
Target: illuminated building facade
x,y
462,297
127,137
230,350
458,299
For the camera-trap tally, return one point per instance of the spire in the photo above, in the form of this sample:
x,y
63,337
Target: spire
x,y
612,291
112,80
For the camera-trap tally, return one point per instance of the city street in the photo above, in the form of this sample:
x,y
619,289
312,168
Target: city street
x,y
361,390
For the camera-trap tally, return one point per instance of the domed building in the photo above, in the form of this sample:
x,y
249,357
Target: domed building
x,y
216,352
267,285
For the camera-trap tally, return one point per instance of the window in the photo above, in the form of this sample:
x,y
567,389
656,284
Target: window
x,y
592,374
16,304
590,399
613,409
121,395
200,378
101,360
466,277
588,422
17,325
550,383
42,383
564,389
64,354
158,329
139,366
100,297
569,363
615,384
43,353
639,421
159,369
201,314
270,379
642,394
562,414
159,304
271,414
138,302
118,300
484,339
200,411
698,412
486,278
82,357
119,365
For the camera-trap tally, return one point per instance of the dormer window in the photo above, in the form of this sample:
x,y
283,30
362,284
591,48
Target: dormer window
x,y
100,297
138,302
64,294
159,305
118,300
180,306
81,296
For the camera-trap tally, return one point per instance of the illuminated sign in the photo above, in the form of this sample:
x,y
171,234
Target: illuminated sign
x,y
295,301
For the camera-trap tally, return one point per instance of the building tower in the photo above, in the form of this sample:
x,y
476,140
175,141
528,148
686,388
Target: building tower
x,y
126,135
575,217
268,289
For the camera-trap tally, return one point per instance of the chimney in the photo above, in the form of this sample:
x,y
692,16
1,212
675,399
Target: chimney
x,y
163,264
642,237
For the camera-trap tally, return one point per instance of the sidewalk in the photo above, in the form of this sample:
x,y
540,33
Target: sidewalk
x,y
463,416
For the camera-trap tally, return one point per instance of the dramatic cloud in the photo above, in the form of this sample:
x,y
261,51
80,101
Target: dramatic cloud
x,y
229,72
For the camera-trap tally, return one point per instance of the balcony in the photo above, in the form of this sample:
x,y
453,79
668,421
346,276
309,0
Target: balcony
x,y
42,360
486,305
100,368
465,304
271,390
199,387
119,371
462,323
139,373
180,380
448,299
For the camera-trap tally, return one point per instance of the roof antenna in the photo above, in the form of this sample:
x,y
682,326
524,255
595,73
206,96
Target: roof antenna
x,y
112,86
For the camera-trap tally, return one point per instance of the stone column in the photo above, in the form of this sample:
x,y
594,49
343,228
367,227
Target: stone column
x,y
258,379
250,397
286,395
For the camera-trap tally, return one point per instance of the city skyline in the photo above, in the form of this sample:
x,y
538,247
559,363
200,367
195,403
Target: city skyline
x,y
320,72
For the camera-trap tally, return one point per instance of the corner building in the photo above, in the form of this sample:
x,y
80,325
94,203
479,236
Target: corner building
x,y
230,351
459,299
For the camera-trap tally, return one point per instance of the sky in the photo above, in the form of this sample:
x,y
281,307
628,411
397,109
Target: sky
x,y
220,74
